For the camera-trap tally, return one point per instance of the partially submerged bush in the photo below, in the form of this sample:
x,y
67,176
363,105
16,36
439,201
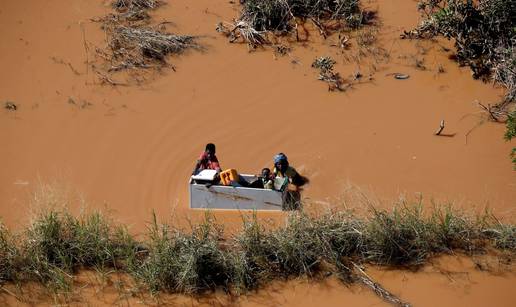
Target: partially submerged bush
x,y
280,15
283,17
139,46
326,73
483,30
123,5
484,34
134,42
485,38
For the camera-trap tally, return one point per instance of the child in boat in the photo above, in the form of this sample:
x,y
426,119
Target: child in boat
x,y
207,160
266,178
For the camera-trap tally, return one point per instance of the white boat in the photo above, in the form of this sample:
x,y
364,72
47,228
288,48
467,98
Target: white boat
x,y
205,195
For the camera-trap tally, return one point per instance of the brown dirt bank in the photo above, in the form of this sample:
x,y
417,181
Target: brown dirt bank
x,y
134,147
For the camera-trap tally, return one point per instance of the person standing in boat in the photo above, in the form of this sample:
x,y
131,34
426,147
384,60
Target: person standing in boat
x,y
282,169
284,175
207,160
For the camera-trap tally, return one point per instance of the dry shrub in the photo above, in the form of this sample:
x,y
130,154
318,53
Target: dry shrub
x,y
142,46
134,42
284,16
483,32
128,5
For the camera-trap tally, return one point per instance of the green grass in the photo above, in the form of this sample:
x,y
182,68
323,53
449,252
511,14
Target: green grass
x,y
56,245
184,262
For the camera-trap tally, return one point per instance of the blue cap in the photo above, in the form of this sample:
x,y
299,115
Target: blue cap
x,y
280,157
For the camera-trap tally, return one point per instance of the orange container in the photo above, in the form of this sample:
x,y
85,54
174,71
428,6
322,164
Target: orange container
x,y
228,175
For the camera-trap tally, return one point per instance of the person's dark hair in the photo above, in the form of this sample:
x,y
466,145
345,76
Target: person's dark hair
x,y
210,147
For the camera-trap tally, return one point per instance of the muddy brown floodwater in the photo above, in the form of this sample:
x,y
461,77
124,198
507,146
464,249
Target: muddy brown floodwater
x,y
131,149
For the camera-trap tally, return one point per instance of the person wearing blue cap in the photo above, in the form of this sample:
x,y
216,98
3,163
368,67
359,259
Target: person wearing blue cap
x,y
288,175
282,169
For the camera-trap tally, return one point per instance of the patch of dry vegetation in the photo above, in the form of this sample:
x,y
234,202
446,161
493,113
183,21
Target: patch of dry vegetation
x,y
135,42
260,18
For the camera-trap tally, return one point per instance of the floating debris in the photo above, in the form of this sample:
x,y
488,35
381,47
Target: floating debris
x,y
10,106
401,76
441,128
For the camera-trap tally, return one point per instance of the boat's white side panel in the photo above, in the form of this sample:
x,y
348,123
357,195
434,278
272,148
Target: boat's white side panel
x,y
228,197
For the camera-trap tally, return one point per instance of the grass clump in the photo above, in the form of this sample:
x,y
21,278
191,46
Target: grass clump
x,y
297,247
58,244
408,236
185,263
9,254
400,237
454,231
305,246
506,237
256,254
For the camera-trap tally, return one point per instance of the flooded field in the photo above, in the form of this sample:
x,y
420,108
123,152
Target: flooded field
x,y
130,149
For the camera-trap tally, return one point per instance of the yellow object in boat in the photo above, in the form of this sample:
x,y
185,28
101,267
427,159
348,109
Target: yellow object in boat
x,y
228,175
